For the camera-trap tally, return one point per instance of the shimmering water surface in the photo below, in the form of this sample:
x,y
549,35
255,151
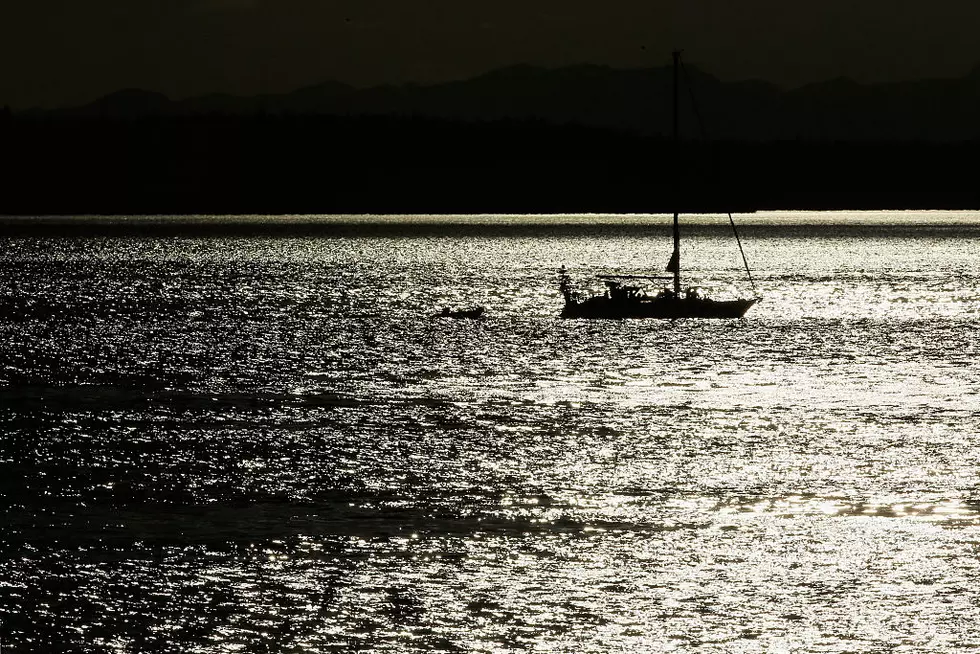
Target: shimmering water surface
x,y
265,444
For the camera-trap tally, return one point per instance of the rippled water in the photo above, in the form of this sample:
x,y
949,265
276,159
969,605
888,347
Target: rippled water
x,y
264,443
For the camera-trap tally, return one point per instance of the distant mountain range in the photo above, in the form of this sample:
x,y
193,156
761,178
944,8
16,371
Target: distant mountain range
x,y
632,100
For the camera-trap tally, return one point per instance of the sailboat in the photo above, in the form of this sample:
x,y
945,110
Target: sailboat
x,y
624,299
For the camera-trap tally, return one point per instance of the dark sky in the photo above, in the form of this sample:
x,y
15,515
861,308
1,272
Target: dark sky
x,y
55,52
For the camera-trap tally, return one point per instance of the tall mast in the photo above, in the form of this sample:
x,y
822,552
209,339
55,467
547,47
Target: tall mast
x,y
675,260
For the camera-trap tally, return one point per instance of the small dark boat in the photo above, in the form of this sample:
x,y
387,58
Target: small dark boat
x,y
476,312
622,300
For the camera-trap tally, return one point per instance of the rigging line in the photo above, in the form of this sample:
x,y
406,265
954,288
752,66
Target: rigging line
x,y
704,137
694,102
714,170
744,260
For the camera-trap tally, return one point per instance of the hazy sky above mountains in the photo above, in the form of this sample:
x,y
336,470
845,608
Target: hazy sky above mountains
x,y
56,52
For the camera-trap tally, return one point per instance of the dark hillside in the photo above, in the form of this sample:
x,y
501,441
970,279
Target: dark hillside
x,y
331,164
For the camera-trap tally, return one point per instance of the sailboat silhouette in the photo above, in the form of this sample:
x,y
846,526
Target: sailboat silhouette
x,y
622,300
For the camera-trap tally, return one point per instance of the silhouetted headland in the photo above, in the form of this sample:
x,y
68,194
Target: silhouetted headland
x,y
518,140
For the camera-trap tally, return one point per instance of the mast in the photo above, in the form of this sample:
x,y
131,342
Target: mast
x,y
675,259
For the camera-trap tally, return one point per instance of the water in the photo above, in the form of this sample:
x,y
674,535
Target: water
x,y
263,444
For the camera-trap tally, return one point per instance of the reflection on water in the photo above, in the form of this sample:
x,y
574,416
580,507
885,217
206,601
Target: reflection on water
x,y
264,444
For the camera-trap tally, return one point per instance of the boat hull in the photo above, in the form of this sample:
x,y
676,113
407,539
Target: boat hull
x,y
601,307
471,314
